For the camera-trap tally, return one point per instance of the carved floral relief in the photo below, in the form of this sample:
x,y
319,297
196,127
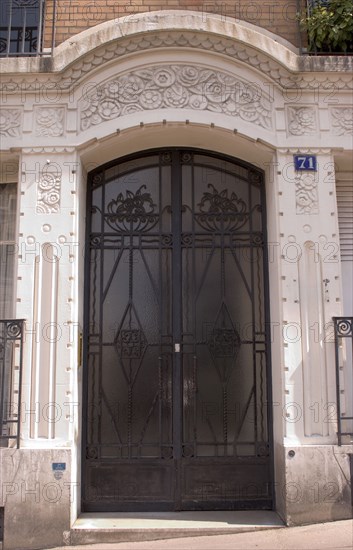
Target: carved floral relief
x,y
301,121
48,193
176,86
306,194
10,122
342,121
49,121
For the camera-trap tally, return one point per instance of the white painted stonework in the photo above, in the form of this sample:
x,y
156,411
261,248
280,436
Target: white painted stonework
x,y
179,79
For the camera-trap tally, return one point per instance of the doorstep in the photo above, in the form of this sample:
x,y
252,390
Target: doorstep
x,y
91,528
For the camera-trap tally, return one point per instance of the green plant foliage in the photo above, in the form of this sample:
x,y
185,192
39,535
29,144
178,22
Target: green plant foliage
x,y
329,26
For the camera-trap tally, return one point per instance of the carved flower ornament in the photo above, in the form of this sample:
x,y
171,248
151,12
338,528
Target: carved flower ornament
x,y
49,122
176,86
343,120
10,120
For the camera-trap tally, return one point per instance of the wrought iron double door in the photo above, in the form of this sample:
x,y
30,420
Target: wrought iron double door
x,y
176,349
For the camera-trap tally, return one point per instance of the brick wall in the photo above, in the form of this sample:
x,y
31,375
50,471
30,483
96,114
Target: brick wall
x,y
74,16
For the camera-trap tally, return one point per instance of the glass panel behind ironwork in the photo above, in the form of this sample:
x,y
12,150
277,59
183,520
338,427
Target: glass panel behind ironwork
x,y
130,316
223,305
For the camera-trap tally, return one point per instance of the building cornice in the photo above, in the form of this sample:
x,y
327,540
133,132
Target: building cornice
x,y
89,51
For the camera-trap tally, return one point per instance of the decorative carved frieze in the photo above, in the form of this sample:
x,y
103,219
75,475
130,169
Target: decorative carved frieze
x,y
301,121
306,195
48,193
49,149
10,122
342,121
176,86
49,121
310,150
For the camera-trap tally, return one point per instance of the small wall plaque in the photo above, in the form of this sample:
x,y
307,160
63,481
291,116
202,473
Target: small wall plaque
x,y
305,162
58,466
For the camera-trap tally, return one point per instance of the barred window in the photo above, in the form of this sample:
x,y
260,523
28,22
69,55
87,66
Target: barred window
x,y
20,26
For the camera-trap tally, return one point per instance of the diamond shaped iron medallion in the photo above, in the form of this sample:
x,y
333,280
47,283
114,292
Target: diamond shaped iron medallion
x,y
223,343
130,340
131,343
224,340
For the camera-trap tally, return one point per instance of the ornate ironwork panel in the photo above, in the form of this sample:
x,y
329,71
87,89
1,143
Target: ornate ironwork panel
x,y
176,336
11,349
343,337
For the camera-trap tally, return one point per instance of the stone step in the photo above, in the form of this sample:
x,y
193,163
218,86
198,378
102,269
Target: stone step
x,y
92,528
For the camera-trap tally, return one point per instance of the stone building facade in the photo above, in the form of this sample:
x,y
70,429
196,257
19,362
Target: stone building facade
x,y
238,100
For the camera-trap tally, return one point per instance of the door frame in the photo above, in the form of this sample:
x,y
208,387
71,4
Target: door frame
x,y
266,290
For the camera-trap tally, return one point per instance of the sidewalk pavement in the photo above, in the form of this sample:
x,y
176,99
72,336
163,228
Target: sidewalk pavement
x,y
336,535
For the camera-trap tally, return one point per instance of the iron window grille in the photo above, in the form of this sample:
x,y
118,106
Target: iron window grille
x,y
27,27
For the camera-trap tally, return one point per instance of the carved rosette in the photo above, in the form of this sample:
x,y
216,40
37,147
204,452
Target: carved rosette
x,y
10,122
176,86
306,195
49,121
301,121
342,121
48,194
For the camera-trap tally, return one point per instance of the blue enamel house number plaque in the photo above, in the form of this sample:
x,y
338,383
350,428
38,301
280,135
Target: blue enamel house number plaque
x,y
59,466
305,162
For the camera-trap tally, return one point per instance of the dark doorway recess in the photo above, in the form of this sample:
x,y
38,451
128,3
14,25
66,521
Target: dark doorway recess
x,y
176,372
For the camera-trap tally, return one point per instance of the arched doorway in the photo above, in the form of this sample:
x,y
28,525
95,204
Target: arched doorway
x,y
176,335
